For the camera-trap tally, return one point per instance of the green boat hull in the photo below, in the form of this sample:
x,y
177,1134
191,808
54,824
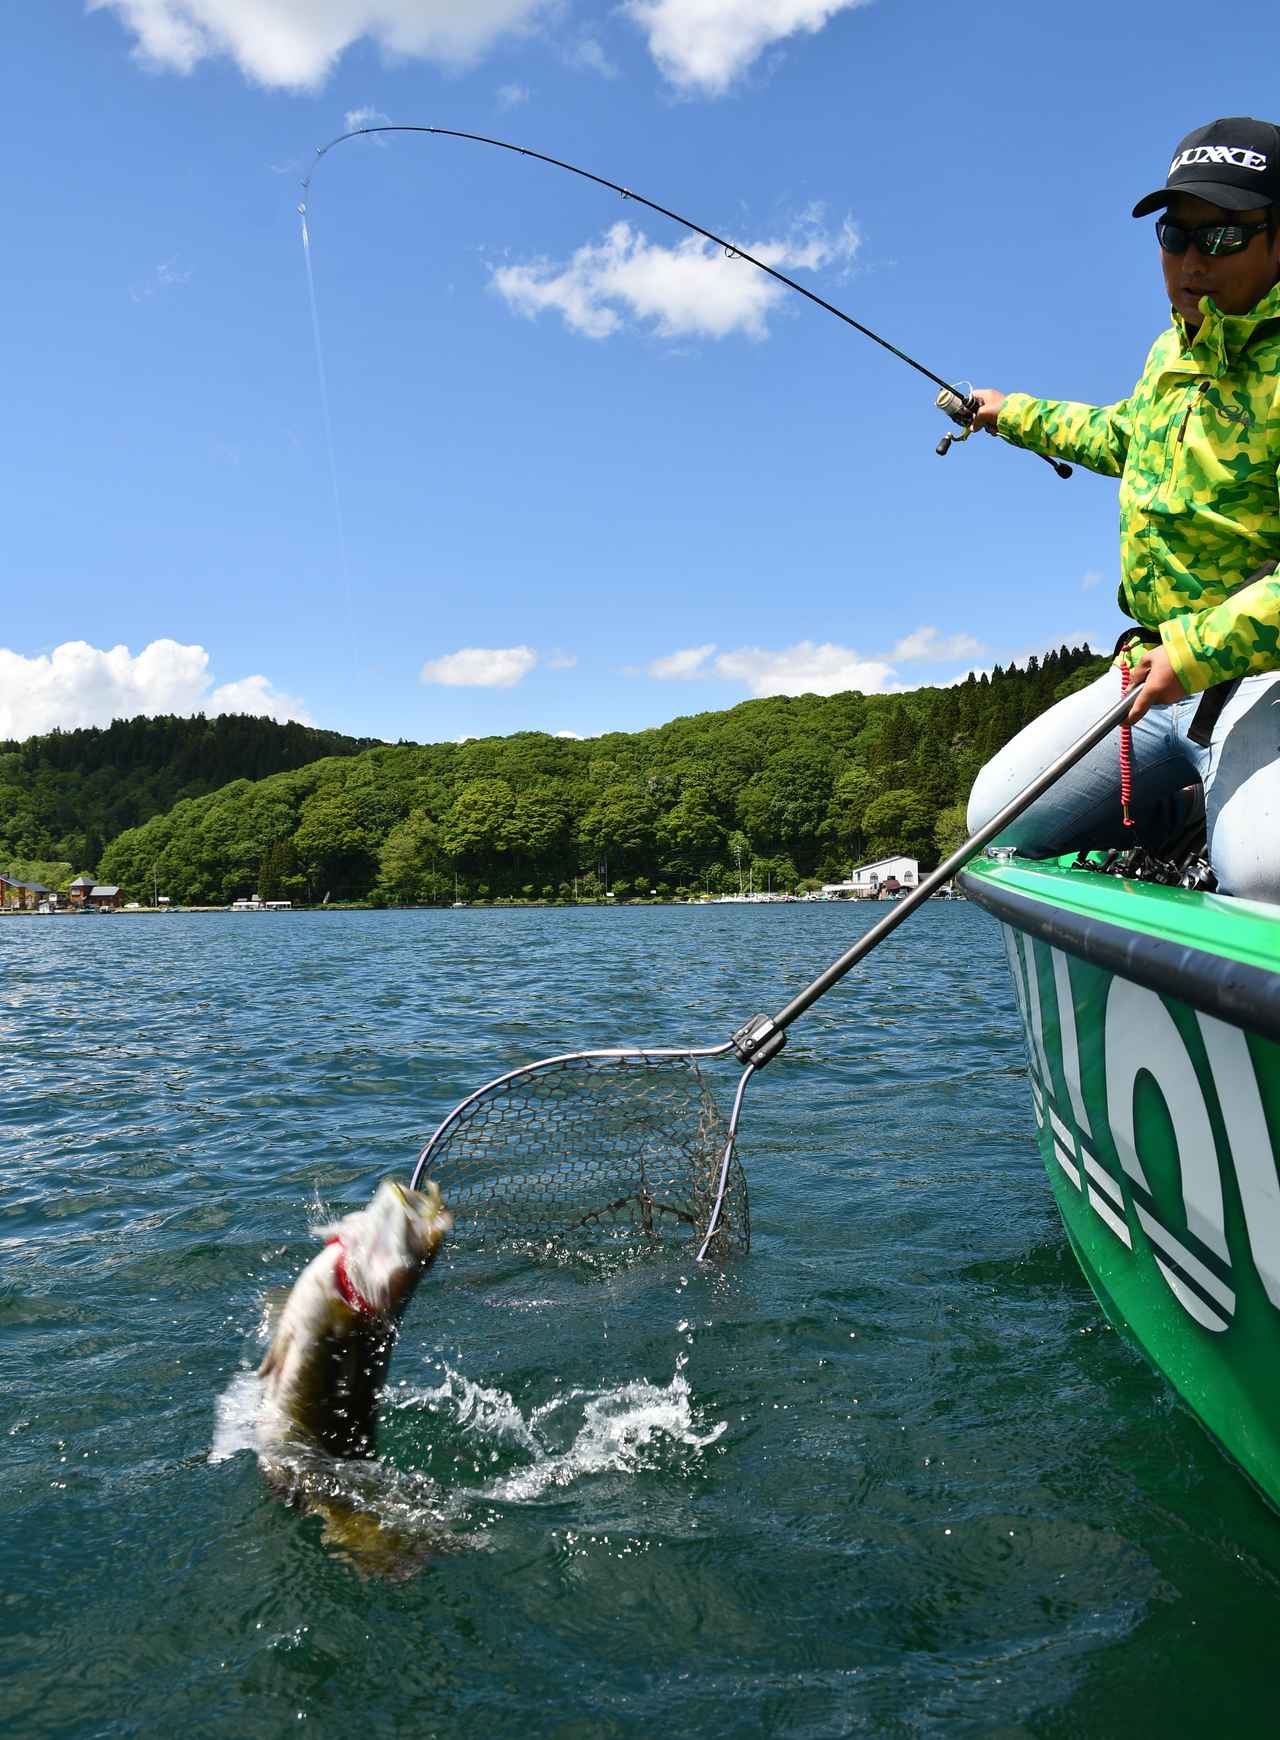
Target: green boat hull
x,y
1152,1022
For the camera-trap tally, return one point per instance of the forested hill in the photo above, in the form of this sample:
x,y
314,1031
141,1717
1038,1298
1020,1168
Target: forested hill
x,y
66,795
781,790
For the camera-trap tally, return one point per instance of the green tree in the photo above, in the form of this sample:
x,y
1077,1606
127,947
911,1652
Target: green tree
x,y
1080,678
896,738
738,868
900,820
690,834
542,825
335,850
619,826
950,830
408,860
280,873
49,873
776,875
476,829
782,808
843,826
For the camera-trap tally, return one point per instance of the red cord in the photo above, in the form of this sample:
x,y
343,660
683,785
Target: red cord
x,y
1126,755
347,1288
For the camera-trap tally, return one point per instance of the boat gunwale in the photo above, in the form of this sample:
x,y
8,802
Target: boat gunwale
x,y
1238,992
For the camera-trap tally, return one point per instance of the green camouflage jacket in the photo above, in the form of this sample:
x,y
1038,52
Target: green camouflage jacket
x,y
1196,447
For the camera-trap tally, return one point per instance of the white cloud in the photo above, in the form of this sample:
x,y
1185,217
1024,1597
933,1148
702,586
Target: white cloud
x,y
586,55
575,735
1092,638
827,668
926,643
368,116
702,46
561,661
168,275
810,667
805,669
480,667
295,44
687,290
255,695
691,662
511,96
77,684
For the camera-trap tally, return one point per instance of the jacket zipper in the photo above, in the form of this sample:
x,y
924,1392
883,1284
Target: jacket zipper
x,y
1201,388
1166,482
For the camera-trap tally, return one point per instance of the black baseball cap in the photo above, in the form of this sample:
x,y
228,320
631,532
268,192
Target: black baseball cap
x,y
1234,163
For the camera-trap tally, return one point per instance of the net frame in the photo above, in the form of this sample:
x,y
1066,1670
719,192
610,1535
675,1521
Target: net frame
x,y
660,1161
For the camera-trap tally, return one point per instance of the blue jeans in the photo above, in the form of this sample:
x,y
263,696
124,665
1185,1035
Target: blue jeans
x,y
1240,771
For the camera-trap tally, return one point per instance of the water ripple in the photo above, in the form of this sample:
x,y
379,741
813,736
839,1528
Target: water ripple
x,y
889,1475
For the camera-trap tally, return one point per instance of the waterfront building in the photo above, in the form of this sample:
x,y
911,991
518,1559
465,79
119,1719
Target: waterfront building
x,y
868,881
16,896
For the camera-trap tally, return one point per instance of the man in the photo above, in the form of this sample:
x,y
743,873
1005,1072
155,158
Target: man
x,y
1196,446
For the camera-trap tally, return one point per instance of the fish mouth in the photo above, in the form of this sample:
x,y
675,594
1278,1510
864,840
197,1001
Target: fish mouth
x,y
426,1209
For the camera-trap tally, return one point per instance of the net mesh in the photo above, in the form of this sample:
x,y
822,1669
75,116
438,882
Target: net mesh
x,y
578,1150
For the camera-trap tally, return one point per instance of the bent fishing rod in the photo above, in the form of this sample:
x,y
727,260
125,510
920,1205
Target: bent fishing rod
x,y
961,406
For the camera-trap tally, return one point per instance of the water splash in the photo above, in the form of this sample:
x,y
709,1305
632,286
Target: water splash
x,y
235,1412
627,1429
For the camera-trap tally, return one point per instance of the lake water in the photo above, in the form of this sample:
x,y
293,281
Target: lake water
x,y
889,1474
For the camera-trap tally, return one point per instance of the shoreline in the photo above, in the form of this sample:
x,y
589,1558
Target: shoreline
x,y
468,906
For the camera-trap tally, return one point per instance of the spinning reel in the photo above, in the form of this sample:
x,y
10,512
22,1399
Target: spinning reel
x,y
962,411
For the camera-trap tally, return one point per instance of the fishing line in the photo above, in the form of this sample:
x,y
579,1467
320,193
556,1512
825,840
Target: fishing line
x,y
960,406
328,424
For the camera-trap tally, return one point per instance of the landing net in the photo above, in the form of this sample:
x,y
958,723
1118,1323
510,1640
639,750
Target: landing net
x,y
598,1146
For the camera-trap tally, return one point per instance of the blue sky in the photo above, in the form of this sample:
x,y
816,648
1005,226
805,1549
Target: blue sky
x,y
591,476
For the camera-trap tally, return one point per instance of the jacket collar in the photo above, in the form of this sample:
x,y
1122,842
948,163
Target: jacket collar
x,y
1222,337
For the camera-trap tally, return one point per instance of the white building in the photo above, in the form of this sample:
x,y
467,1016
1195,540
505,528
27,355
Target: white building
x,y
869,880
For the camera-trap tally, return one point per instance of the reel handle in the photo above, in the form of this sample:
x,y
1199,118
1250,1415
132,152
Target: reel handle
x,y
960,409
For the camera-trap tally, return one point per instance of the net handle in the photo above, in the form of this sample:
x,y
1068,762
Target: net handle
x,y
903,908
726,1163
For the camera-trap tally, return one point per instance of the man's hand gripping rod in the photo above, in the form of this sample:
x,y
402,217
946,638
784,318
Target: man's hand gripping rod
x,y
963,411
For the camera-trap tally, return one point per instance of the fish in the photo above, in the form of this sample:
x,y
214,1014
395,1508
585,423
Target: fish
x,y
325,1370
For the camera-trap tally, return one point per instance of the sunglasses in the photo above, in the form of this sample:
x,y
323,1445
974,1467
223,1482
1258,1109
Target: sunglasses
x,y
1212,239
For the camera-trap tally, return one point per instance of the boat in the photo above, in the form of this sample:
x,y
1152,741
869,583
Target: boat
x,y
1152,1024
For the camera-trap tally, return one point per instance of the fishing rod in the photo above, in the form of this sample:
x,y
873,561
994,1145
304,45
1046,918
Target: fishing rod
x,y
961,406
